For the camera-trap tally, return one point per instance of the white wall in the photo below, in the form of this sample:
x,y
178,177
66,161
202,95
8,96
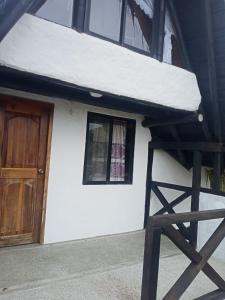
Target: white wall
x,y
37,46
77,211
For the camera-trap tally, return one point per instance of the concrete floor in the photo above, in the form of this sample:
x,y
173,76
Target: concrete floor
x,y
95,269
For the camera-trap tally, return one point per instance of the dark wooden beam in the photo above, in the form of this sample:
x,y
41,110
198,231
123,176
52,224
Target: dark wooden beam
x,y
148,185
175,202
196,187
215,108
176,121
169,209
170,219
217,169
189,146
215,295
151,263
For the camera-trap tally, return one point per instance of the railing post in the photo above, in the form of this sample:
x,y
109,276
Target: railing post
x,y
151,262
196,188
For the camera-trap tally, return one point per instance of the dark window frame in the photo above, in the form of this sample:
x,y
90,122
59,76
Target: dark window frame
x,y
121,41
129,150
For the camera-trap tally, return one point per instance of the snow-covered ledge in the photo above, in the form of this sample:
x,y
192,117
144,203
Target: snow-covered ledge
x,y
44,48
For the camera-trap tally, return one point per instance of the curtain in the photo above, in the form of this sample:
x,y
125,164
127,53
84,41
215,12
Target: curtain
x,y
117,172
169,31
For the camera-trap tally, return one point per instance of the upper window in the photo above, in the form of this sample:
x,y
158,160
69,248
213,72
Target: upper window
x,y
127,22
172,53
104,18
138,25
58,11
109,150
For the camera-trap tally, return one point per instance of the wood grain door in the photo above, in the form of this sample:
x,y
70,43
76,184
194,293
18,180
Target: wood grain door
x,y
23,140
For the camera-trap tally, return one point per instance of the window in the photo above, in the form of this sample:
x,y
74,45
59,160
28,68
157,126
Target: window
x,y
171,53
105,18
127,22
138,26
109,150
58,11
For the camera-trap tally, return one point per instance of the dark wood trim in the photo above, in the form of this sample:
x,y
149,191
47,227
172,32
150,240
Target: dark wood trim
x,y
211,59
186,188
148,186
193,117
215,295
189,146
217,171
196,187
151,262
129,178
175,202
79,11
170,219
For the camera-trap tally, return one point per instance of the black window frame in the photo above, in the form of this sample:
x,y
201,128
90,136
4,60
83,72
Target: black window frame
x,y
121,41
130,153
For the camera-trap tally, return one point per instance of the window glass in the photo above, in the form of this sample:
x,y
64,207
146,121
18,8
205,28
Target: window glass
x,y
171,52
58,11
105,18
117,171
139,21
109,150
97,152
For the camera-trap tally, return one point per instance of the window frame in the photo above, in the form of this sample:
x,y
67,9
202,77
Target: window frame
x,y
111,119
121,41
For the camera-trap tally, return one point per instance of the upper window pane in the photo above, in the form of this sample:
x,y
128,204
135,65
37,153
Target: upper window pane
x,y
105,18
139,21
171,52
97,151
58,11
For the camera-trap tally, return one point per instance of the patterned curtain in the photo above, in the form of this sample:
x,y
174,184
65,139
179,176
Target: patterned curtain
x,y
117,172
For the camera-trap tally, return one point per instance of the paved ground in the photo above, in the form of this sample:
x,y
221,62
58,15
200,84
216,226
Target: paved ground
x,y
95,269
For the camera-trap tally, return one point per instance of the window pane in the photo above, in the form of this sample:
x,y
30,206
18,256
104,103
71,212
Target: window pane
x,y
105,17
138,29
58,11
117,172
97,155
171,52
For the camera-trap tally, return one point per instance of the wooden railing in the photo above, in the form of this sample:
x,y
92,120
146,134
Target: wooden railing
x,y
159,224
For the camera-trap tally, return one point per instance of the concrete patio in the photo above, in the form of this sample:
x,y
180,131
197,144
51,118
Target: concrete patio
x,y
102,268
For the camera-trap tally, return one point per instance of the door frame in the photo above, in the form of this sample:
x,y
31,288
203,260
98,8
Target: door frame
x,y
50,107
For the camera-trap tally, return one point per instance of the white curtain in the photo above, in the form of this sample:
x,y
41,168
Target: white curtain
x,y
169,31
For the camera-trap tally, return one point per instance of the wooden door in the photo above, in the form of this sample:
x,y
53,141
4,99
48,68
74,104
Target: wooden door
x,y
24,129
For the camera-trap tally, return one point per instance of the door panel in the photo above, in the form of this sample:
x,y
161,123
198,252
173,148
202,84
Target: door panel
x,y
23,137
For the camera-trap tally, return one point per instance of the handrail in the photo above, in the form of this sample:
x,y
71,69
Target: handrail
x,y
169,219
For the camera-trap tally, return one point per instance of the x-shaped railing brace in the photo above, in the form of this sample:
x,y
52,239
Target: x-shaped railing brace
x,y
199,260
